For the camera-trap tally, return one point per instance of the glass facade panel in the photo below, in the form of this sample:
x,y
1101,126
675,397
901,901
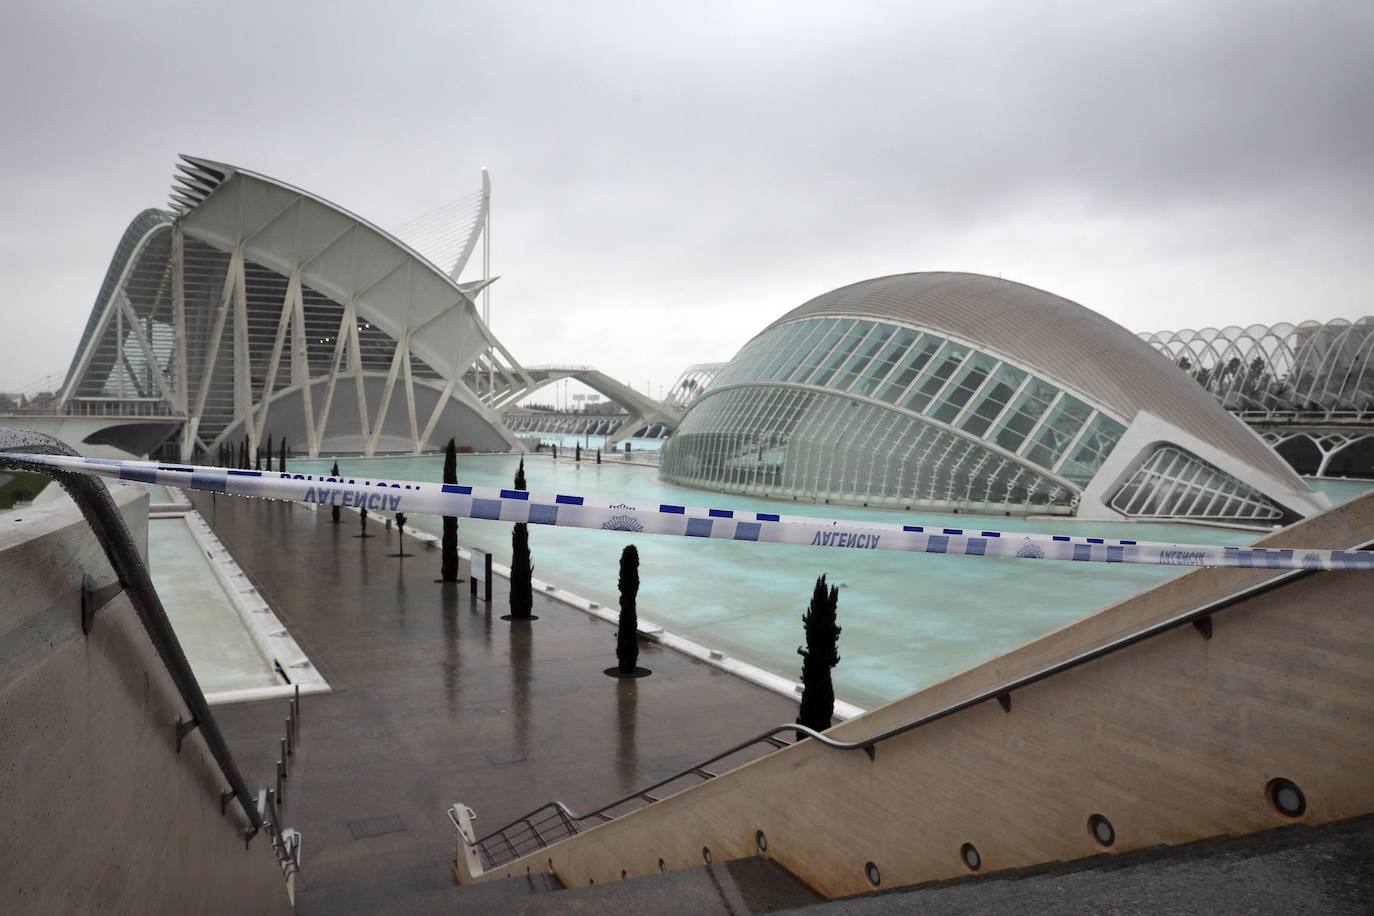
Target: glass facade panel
x,y
1058,431
971,377
1035,399
910,367
1175,483
817,445
775,437
832,361
857,363
935,376
825,343
1092,450
881,367
993,400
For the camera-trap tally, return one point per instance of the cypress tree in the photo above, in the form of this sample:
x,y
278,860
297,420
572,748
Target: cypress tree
x,y
243,454
818,657
448,559
334,510
598,456
521,567
281,460
269,451
401,536
627,638
257,458
577,451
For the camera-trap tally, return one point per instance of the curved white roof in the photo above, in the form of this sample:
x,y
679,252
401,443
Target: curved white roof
x,y
1060,339
338,253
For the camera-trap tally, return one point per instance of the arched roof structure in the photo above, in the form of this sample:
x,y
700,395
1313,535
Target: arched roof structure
x,y
257,307
1312,370
954,390
1067,342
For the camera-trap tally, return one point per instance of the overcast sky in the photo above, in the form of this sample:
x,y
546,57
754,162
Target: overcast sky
x,y
669,178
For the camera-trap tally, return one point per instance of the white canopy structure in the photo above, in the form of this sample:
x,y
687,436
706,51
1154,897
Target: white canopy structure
x,y
257,309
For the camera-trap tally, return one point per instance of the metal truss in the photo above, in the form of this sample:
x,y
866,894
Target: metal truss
x,y
1318,371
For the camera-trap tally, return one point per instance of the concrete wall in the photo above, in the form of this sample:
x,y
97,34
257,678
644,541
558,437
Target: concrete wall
x,y
99,810
1172,740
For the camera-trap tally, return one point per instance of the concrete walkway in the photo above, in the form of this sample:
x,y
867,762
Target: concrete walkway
x,y
437,700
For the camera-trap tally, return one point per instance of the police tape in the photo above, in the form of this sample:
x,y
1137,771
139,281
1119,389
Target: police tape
x,y
563,510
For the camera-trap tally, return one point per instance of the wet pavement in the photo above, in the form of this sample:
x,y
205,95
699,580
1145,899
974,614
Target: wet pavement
x,y
436,700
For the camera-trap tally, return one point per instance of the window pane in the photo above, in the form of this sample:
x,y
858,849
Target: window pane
x,y
911,364
1059,431
828,367
1097,443
994,399
1029,408
881,367
935,376
862,357
808,362
970,378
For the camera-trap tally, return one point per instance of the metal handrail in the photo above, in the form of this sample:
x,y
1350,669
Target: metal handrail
x,y
1001,693
95,503
287,848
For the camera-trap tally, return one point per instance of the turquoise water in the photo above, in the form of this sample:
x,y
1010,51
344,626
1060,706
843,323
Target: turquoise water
x,y
1341,491
908,619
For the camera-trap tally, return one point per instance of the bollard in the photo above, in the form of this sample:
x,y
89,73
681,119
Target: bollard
x,y
289,750
281,774
297,712
283,757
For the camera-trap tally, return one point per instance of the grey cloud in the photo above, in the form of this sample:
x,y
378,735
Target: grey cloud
x,y
670,178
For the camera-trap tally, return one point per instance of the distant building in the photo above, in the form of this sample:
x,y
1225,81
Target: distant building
x,y
961,392
1307,389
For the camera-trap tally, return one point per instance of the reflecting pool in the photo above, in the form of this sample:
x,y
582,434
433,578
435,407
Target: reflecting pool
x,y
908,619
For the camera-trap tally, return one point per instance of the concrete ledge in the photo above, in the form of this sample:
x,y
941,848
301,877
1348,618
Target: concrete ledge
x,y
269,634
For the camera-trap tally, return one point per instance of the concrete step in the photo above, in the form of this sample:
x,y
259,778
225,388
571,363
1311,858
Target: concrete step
x,y
743,886
1327,870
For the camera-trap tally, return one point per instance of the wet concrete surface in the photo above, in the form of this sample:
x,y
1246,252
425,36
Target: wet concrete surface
x,y
436,700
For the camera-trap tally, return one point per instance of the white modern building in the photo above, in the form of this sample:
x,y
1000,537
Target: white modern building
x,y
254,308
961,392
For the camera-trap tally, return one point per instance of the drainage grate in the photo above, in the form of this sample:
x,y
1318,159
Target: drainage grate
x,y
375,826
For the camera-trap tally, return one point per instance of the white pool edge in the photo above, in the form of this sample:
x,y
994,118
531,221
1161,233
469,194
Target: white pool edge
x,y
271,637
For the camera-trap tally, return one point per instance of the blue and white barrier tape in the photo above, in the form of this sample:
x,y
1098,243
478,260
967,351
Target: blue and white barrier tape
x,y
689,521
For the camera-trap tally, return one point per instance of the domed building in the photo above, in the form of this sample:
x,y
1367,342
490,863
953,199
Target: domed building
x,y
954,391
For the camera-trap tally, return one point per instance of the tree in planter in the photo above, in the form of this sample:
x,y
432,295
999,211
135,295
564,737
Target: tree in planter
x,y
521,567
818,657
257,458
627,636
269,451
334,509
281,459
448,559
